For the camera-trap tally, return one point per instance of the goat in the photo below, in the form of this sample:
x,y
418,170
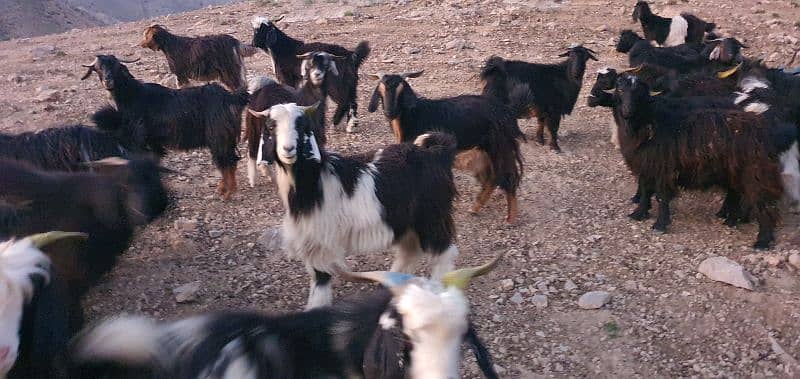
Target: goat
x,y
482,125
266,92
337,205
555,87
668,148
413,329
206,58
107,205
684,28
285,50
158,117
683,58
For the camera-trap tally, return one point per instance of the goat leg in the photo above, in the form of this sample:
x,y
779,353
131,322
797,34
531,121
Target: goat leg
x,y
483,197
767,216
513,210
320,294
642,210
731,209
552,129
539,137
664,217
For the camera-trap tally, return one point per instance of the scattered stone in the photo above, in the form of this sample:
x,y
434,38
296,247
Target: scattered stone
x,y
456,44
186,293
602,28
594,299
185,225
44,51
507,284
270,239
569,285
630,285
724,270
44,94
794,260
16,79
321,21
774,260
214,233
411,50
540,301
517,298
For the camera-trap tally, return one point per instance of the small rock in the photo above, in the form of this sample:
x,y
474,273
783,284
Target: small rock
x,y
186,293
321,21
540,301
774,260
14,78
630,285
517,298
794,260
507,284
44,94
602,28
724,270
185,225
411,50
215,233
594,299
569,285
456,44
270,239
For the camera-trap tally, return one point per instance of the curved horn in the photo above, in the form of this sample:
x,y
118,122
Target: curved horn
x,y
377,76
634,69
262,114
413,74
43,239
388,279
126,61
94,62
276,19
110,161
306,55
460,278
725,74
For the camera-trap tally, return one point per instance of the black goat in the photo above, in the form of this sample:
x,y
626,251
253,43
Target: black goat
x,y
106,205
158,117
668,148
477,122
412,330
683,58
555,87
206,58
685,28
266,92
285,50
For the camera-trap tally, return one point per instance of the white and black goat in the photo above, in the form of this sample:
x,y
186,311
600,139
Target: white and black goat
x,y
34,337
400,196
317,69
285,52
684,28
485,130
205,58
411,330
555,87
158,117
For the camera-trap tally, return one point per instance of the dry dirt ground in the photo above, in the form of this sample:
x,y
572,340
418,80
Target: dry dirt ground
x,y
664,320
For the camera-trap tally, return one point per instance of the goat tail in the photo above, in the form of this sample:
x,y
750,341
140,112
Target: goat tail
x,y
107,118
361,53
494,76
505,153
481,353
442,145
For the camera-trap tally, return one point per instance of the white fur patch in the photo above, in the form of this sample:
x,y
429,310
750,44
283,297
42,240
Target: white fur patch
x,y
286,135
320,296
258,21
435,319
790,166
132,340
751,82
19,259
251,171
603,71
757,107
420,140
386,321
612,124
443,263
678,29
258,82
714,55
740,97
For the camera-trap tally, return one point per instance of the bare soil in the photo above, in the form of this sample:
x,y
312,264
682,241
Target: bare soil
x,y
664,320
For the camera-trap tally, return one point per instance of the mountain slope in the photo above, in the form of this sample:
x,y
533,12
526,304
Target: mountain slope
x,y
28,18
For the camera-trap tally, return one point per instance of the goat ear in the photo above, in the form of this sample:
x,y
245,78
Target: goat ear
x,y
311,110
373,103
332,68
262,114
303,66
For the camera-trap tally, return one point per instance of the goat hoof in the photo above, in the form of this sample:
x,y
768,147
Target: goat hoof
x,y
555,149
661,229
639,215
762,245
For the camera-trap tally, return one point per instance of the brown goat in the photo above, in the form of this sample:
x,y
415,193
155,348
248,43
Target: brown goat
x,y
205,58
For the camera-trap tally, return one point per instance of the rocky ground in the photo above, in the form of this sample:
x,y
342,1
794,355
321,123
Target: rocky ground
x,y
663,318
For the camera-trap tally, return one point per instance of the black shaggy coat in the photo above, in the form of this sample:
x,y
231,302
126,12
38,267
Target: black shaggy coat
x,y
205,58
284,51
477,122
554,88
107,206
669,148
335,342
657,28
158,117
683,58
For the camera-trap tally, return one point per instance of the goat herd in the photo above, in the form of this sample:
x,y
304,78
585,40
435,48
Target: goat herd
x,y
693,113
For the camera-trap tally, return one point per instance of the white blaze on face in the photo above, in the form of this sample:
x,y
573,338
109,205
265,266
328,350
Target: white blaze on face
x,y
19,260
678,29
285,117
435,319
257,21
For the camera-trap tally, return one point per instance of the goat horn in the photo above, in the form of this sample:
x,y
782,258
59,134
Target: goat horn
x,y
262,114
91,64
656,93
460,278
377,76
725,74
43,239
126,61
634,69
110,161
276,19
413,74
388,279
